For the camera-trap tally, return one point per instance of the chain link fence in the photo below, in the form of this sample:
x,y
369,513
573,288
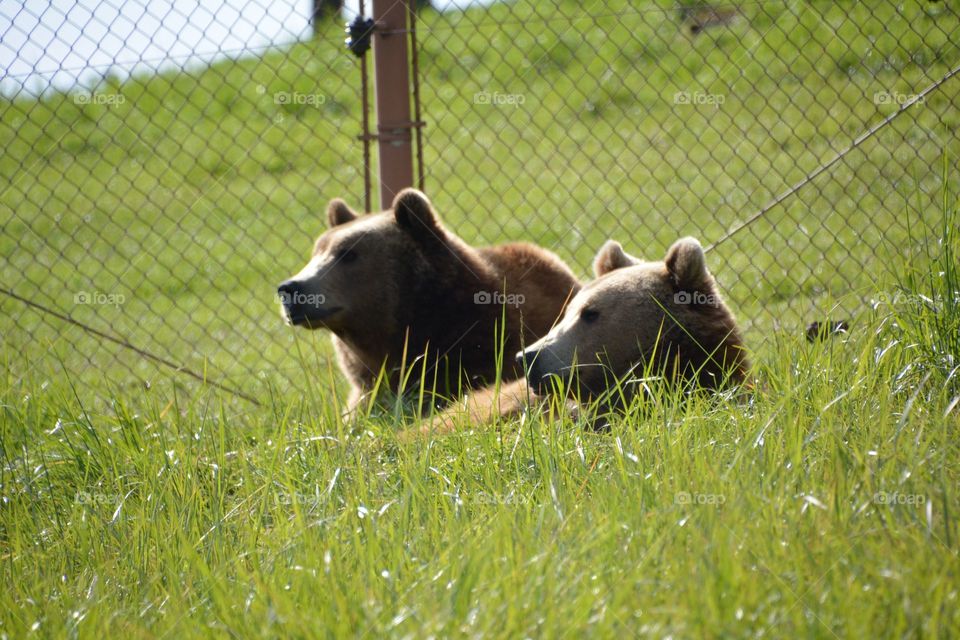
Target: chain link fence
x,y
166,165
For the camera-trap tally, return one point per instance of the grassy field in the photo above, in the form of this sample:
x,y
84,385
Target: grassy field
x,y
134,502
825,507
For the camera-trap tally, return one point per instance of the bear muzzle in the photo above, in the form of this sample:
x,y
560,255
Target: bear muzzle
x,y
539,366
302,307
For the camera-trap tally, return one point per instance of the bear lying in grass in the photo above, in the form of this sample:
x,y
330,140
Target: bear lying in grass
x,y
404,296
637,320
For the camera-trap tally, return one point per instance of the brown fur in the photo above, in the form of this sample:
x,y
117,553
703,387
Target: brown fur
x,y
397,285
666,318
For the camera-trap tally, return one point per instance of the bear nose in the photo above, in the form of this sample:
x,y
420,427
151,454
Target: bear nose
x,y
525,359
286,290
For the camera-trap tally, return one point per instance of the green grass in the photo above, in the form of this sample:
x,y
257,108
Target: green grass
x,y
823,507
135,502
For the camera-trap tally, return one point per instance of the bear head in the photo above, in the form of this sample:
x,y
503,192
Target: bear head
x,y
661,318
365,269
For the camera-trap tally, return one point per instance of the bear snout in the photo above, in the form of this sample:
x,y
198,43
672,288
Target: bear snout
x,y
286,289
531,362
524,358
287,294
302,306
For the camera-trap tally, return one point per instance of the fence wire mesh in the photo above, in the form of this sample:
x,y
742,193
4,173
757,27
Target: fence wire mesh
x,y
165,165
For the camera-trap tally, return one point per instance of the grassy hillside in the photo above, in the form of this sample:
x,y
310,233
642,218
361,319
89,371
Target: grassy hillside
x,y
823,507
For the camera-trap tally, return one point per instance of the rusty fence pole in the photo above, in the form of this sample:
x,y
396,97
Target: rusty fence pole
x,y
392,87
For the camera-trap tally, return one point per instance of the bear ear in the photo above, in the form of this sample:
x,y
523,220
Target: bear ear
x,y
687,264
339,213
414,213
611,257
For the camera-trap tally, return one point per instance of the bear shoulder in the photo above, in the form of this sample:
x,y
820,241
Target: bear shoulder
x,y
524,262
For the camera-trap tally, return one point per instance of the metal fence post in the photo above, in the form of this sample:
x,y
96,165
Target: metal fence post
x,y
392,82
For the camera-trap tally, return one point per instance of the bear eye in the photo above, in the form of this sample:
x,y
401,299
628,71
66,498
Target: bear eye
x,y
346,256
589,315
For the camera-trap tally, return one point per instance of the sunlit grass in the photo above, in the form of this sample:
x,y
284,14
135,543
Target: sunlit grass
x,y
822,506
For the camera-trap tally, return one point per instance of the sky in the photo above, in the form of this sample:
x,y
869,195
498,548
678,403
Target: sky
x,y
57,44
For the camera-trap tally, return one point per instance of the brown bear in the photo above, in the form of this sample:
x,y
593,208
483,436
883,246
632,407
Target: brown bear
x,y
404,296
637,319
